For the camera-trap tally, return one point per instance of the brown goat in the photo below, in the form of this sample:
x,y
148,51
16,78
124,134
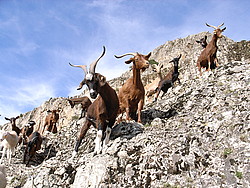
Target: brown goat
x,y
169,79
207,58
103,111
132,93
13,124
84,101
50,121
33,145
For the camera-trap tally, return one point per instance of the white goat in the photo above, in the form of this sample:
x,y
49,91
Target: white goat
x,y
3,180
9,140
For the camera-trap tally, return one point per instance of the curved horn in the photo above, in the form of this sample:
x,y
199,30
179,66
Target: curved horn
x,y
120,56
179,56
93,65
211,26
84,67
220,25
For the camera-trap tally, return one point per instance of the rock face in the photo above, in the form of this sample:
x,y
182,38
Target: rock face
x,y
197,135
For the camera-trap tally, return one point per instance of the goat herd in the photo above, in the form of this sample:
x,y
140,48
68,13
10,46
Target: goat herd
x,y
103,112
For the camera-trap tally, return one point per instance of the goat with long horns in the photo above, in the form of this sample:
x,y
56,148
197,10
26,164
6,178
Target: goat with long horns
x,y
103,111
207,58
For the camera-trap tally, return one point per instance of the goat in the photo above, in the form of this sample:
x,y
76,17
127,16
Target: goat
x,y
203,42
151,88
13,124
169,79
3,180
84,101
132,93
50,121
9,140
103,111
33,145
26,131
207,58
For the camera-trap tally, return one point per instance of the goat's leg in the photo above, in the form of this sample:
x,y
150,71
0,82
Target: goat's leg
x,y
54,128
140,107
157,95
179,81
163,94
216,62
3,154
108,131
82,113
98,140
209,64
128,118
83,132
25,154
199,68
9,153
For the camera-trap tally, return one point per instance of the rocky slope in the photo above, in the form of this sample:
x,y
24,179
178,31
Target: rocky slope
x,y
197,135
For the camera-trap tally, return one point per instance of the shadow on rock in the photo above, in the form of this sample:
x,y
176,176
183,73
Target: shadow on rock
x,y
150,114
126,130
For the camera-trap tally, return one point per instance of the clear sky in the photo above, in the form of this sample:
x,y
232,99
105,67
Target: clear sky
x,y
39,37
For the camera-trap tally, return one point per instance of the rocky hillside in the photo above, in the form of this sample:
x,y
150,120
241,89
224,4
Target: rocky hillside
x,y
197,135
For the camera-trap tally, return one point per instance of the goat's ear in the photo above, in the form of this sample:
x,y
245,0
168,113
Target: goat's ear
x,y
224,29
7,118
102,80
198,41
130,60
205,37
147,56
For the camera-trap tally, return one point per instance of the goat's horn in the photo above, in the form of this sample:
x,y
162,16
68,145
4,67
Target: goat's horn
x,y
120,56
220,25
211,26
93,65
179,56
84,67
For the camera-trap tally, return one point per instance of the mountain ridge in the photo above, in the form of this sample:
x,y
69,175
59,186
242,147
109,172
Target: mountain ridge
x,y
196,136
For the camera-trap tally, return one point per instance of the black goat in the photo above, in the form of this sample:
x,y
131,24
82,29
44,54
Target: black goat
x,y
169,79
203,42
34,144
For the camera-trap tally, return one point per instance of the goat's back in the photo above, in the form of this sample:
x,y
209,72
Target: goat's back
x,y
35,139
10,140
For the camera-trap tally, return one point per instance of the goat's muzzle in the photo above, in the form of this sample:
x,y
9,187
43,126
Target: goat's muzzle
x,y
93,94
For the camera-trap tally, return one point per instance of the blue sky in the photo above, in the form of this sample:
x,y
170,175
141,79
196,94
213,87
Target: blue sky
x,y
39,37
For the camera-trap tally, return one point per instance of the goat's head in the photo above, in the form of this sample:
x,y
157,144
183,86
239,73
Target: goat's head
x,y
93,80
139,61
203,41
158,67
28,128
12,120
3,135
175,60
217,30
